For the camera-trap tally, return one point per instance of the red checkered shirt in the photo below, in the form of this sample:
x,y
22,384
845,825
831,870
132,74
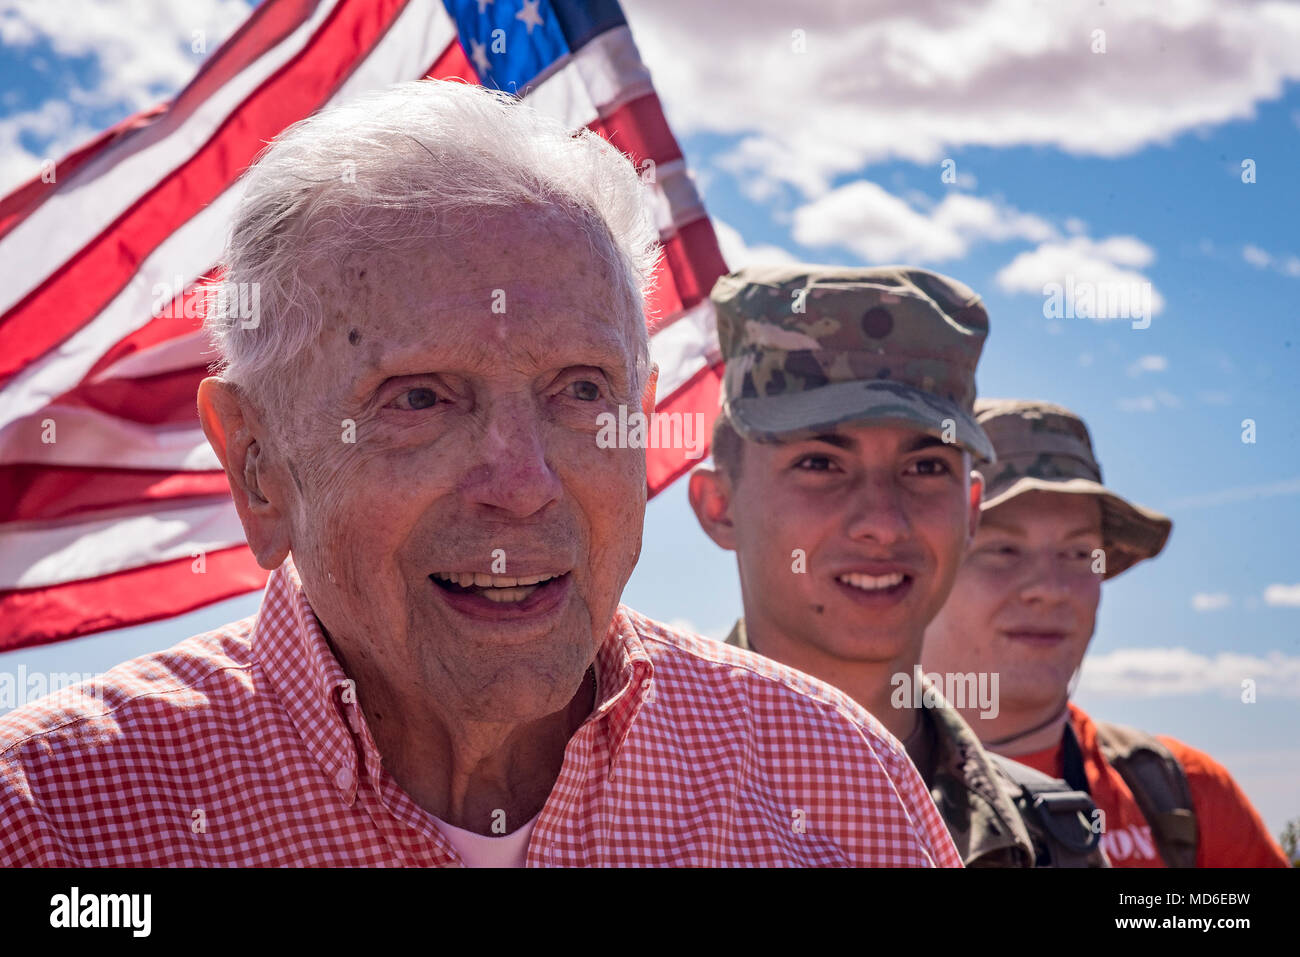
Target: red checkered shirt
x,y
241,747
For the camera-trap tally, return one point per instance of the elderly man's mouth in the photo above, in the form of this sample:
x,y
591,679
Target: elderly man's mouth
x,y
501,596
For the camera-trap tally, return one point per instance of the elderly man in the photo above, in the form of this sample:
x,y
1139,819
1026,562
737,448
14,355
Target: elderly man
x,y
1025,604
440,672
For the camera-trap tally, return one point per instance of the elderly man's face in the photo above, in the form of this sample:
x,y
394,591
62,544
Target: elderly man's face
x,y
474,368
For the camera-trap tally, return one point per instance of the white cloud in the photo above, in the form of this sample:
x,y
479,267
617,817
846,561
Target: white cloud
x,y
912,80
143,53
1149,672
1256,256
1287,265
1148,364
1150,403
1216,601
1284,595
52,125
1243,493
1105,269
738,253
879,227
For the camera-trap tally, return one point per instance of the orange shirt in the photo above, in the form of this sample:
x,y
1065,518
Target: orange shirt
x,y
1231,831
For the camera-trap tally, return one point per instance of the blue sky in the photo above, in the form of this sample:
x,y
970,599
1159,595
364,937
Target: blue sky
x,y
1123,163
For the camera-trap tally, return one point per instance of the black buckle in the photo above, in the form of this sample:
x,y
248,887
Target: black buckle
x,y
1052,806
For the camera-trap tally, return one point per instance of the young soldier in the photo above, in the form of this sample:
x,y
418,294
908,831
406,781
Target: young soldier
x,y
1025,604
842,481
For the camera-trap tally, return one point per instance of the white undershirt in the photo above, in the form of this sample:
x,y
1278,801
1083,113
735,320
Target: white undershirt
x,y
479,850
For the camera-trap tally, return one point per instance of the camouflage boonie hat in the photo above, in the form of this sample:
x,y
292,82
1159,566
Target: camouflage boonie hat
x,y
808,348
1044,447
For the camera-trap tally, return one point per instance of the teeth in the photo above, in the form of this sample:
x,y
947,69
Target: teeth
x,y
500,595
871,582
493,583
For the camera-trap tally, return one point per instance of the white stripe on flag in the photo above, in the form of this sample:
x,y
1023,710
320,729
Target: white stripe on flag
x,y
196,246
81,209
91,438
82,549
676,201
189,252
183,352
603,75
421,32
684,348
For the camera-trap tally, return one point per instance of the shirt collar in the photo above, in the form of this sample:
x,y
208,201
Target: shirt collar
x,y
624,679
319,697
960,760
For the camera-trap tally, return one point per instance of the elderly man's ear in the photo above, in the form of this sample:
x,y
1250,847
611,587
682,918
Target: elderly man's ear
x,y
710,494
232,428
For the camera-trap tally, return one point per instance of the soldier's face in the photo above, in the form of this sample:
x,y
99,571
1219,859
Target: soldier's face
x,y
848,543
1025,601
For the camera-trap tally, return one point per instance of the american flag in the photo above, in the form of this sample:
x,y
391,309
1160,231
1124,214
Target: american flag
x,y
113,508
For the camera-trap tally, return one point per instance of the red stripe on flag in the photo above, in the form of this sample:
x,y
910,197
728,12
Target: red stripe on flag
x,y
690,264
452,64
78,289
168,398
698,394
159,329
44,492
264,29
20,203
38,616
640,130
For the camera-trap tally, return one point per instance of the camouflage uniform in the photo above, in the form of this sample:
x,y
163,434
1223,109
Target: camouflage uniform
x,y
991,820
808,348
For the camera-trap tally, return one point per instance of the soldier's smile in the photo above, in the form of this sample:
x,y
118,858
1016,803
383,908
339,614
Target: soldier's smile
x,y
877,589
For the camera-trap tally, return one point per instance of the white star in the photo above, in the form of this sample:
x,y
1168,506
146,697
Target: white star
x,y
482,6
529,15
478,53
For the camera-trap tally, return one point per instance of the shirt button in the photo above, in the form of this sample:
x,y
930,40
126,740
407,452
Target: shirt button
x,y
345,779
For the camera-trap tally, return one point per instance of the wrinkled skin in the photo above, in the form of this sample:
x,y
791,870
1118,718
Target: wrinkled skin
x,y
1024,605
879,499
474,431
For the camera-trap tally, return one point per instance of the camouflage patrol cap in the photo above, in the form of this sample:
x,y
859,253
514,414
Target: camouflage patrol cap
x,y
811,347
1044,447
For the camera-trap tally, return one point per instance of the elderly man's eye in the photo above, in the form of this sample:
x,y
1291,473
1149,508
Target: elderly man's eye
x,y
415,399
584,389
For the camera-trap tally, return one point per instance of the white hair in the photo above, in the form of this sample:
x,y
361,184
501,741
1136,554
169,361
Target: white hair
x,y
410,152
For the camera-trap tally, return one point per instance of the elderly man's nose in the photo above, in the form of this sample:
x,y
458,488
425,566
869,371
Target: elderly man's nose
x,y
509,469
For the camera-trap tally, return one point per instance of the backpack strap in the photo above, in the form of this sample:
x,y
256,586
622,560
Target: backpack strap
x,y
1159,786
1059,818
